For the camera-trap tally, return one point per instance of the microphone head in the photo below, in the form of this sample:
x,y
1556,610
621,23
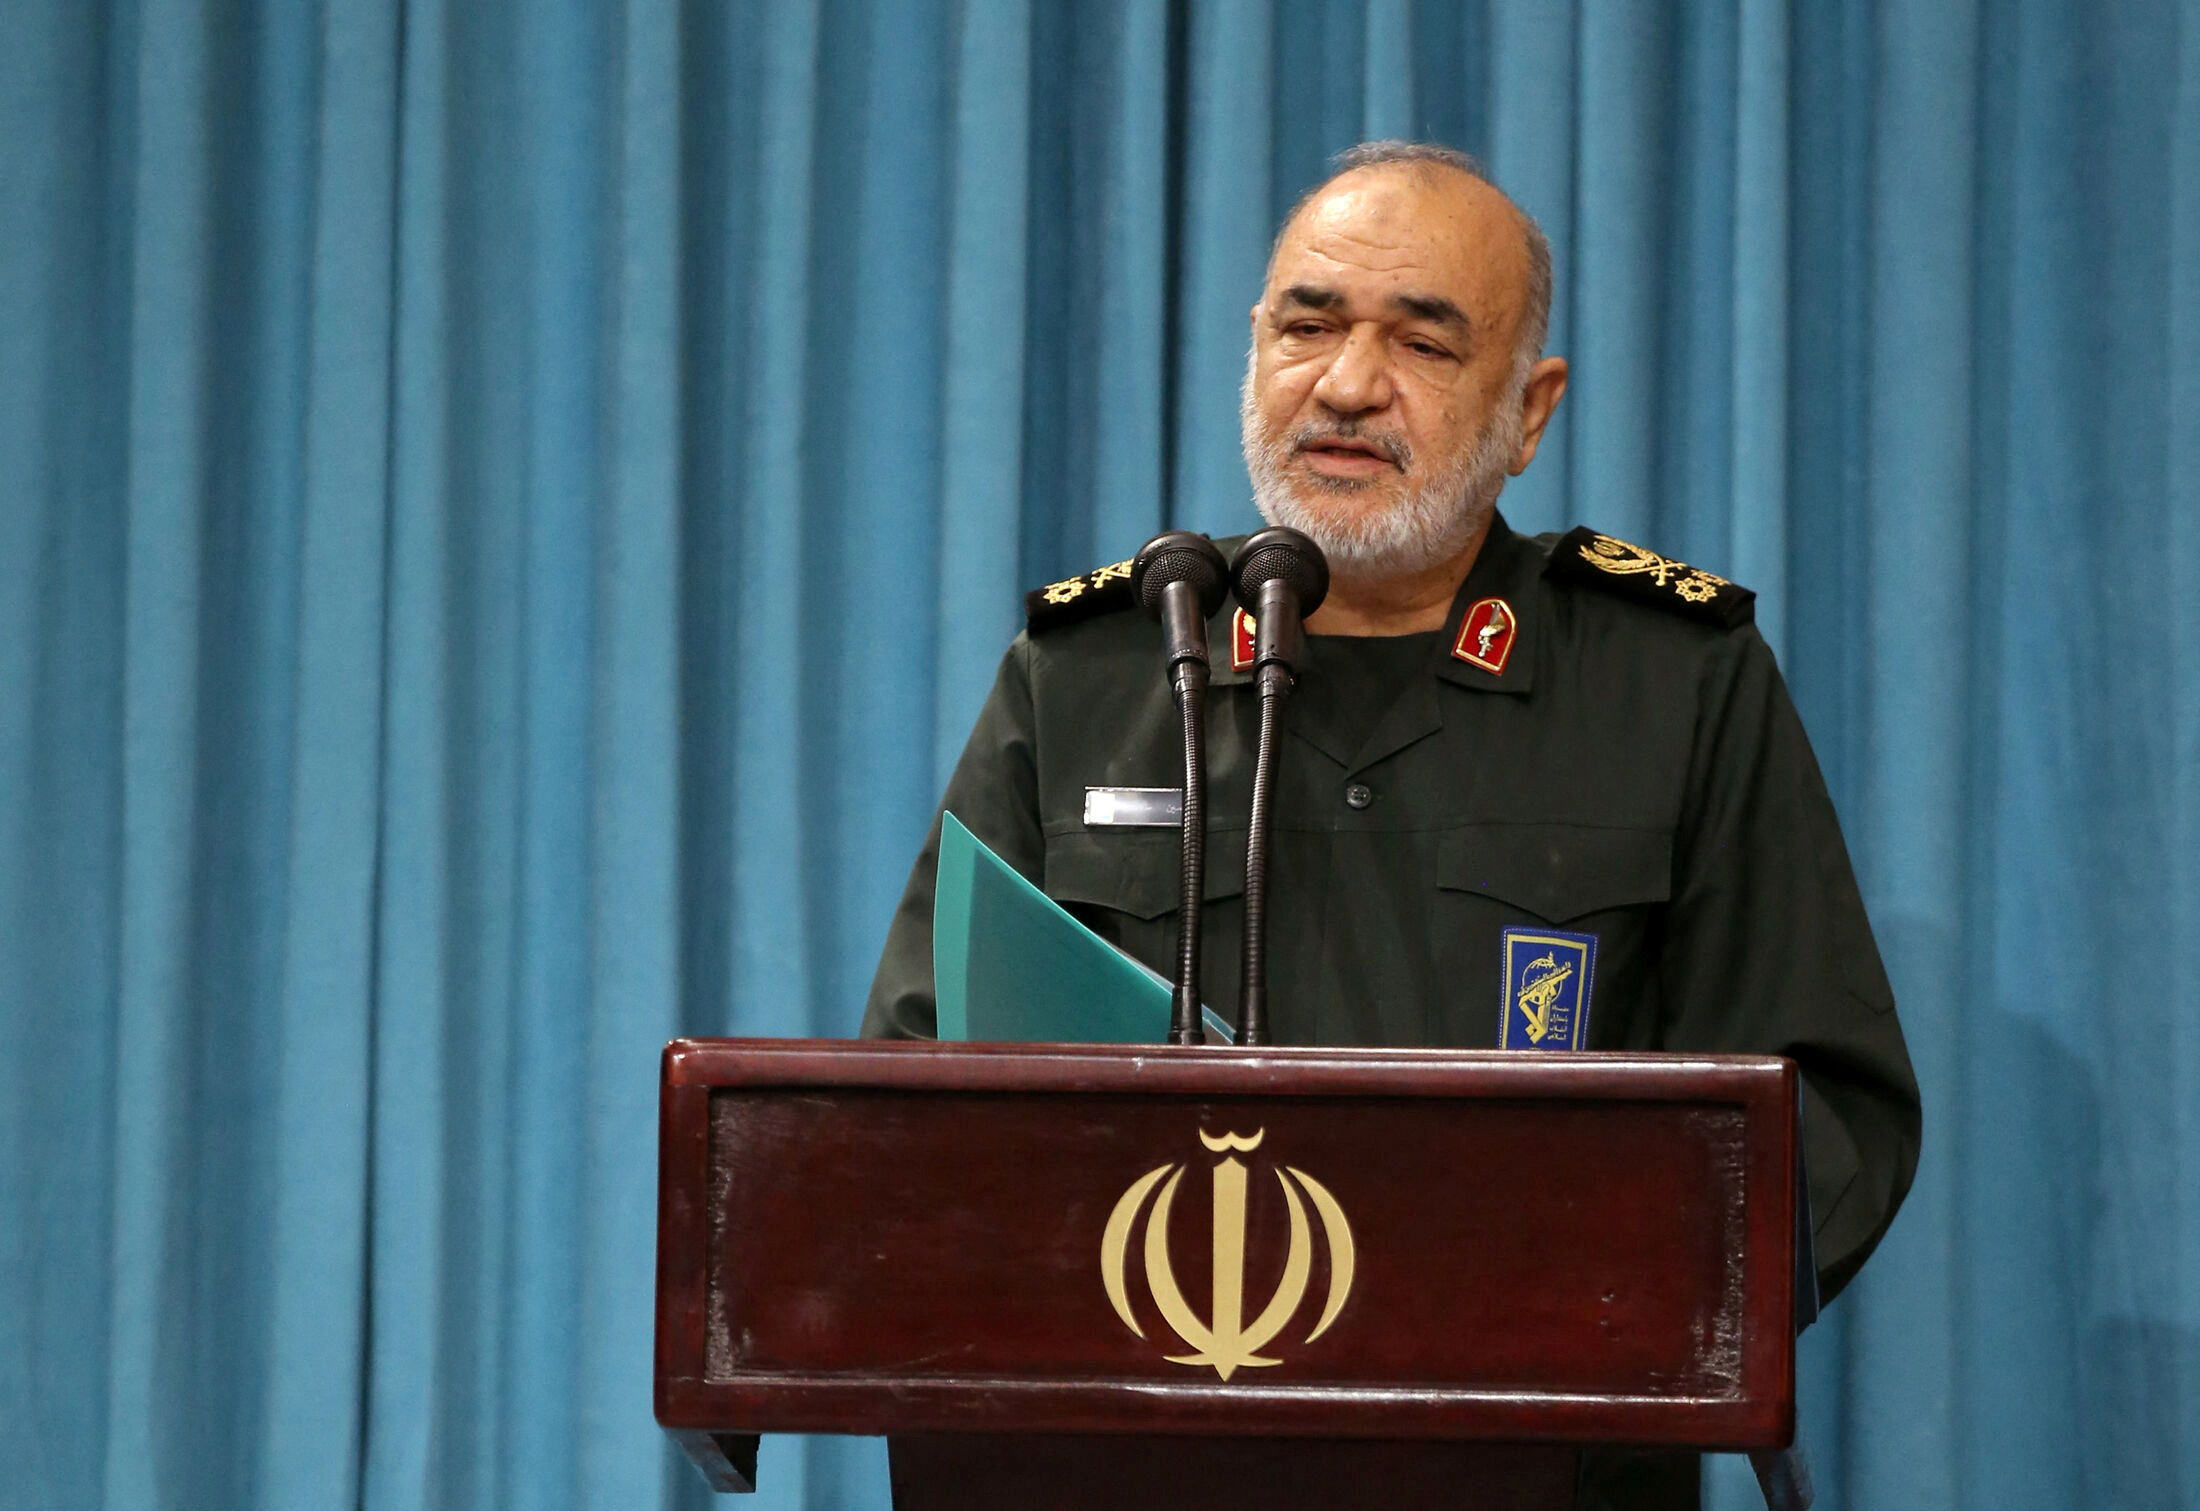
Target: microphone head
x,y
1179,556
1280,553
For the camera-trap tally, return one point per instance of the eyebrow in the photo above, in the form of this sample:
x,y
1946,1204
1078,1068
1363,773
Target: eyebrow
x,y
1421,306
1430,307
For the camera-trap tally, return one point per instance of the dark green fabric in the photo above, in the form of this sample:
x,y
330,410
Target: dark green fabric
x,y
1350,681
1632,775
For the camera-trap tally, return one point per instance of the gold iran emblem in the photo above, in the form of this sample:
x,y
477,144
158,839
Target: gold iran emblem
x,y
1224,1341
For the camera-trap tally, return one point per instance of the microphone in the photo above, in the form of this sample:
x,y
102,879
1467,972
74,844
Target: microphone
x,y
1279,577
1178,577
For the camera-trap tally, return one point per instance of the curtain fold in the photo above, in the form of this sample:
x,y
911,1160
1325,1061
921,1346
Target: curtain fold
x,y
508,511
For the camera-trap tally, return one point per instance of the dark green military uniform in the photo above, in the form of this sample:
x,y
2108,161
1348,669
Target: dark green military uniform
x,y
1637,772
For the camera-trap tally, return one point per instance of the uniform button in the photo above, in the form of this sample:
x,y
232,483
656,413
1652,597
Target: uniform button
x,y
1357,796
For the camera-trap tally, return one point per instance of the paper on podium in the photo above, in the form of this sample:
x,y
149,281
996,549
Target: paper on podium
x,y
1009,964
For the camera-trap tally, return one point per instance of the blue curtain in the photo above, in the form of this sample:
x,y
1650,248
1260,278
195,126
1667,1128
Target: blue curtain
x,y
507,512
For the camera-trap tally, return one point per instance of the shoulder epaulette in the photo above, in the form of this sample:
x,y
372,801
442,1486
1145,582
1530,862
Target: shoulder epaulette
x,y
1101,591
1646,577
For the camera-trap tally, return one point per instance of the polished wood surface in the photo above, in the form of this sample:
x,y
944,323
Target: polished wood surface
x,y
907,1239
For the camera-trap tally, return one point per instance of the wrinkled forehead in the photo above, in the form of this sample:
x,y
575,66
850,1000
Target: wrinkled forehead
x,y
1409,228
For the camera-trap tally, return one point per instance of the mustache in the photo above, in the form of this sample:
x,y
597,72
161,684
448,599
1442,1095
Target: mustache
x,y
1391,448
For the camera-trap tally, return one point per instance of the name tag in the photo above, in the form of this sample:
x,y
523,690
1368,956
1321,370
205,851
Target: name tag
x,y
1546,989
1134,807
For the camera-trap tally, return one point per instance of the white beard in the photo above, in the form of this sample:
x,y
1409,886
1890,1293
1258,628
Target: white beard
x,y
1430,524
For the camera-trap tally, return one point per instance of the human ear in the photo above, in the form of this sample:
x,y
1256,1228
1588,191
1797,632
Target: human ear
x,y
1546,386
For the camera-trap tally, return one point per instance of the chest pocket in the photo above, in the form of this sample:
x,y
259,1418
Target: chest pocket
x,y
1607,882
1557,872
1136,871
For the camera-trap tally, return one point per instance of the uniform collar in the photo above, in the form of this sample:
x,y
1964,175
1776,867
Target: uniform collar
x,y
1508,566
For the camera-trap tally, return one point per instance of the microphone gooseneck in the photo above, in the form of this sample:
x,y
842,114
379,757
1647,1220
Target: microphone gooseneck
x,y
1279,577
1253,985
1179,578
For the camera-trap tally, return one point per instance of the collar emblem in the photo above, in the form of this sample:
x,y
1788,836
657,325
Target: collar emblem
x,y
1241,641
1486,635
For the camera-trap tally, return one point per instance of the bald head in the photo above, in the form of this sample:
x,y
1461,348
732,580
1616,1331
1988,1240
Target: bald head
x,y
1436,170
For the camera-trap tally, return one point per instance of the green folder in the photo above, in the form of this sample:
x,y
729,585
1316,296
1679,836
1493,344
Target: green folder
x,y
1009,964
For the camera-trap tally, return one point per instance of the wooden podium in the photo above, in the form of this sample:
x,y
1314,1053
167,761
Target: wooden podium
x,y
1081,1276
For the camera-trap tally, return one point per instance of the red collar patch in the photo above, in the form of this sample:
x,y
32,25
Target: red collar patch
x,y
1486,635
1241,641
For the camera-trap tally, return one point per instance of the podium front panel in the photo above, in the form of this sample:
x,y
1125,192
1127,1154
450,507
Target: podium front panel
x,y
862,1237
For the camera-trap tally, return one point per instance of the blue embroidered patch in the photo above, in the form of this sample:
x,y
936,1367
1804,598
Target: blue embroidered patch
x,y
1546,989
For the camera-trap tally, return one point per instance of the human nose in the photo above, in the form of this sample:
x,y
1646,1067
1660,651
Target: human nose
x,y
1358,377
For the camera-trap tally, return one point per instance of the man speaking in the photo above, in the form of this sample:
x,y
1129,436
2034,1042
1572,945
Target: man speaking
x,y
1492,735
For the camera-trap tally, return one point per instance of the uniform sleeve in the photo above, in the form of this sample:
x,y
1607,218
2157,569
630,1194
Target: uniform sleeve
x,y
994,792
1768,951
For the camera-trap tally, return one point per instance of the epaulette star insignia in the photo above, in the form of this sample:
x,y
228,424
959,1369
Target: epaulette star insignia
x,y
1073,598
1646,577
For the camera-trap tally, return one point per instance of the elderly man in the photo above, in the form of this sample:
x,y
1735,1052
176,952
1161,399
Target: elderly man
x,y
1490,731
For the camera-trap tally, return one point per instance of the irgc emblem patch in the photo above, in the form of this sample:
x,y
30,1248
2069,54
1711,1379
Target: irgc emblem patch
x,y
1546,989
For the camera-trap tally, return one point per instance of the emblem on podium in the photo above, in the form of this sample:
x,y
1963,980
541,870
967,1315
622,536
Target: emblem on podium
x,y
1225,1342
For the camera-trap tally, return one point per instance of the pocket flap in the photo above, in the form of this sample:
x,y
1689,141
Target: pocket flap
x,y
1557,871
1136,871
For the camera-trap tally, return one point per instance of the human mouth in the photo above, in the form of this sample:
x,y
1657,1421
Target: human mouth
x,y
1348,456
